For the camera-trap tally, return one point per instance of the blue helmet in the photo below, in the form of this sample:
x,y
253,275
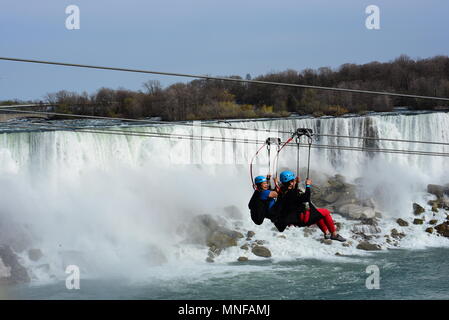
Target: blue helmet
x,y
260,179
287,176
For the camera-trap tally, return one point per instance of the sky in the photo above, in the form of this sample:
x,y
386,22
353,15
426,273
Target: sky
x,y
217,38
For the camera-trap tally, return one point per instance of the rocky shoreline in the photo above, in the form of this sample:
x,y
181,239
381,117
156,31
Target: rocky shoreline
x,y
366,230
356,216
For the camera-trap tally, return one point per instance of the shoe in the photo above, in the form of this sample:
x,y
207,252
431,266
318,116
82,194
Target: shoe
x,y
338,238
327,236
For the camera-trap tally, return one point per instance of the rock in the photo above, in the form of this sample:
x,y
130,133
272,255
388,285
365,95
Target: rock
x,y
198,229
232,233
369,203
443,229
444,202
429,230
211,254
361,235
332,197
338,183
250,234
11,271
346,244
402,223
354,211
242,259
434,209
317,194
418,221
344,200
209,259
35,254
338,254
260,242
439,203
365,245
203,227
396,234
245,247
261,251
282,236
220,240
326,241
370,222
434,221
417,209
438,190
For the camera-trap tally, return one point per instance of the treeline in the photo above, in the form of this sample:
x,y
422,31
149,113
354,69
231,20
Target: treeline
x,y
213,99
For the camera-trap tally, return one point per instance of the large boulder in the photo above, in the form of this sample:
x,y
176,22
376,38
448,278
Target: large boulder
x,y
317,192
418,221
205,229
221,240
418,209
443,229
198,229
332,197
365,245
439,203
338,182
396,234
11,271
261,251
438,190
369,203
354,211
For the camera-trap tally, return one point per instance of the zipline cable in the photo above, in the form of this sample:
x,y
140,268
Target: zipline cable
x,y
65,64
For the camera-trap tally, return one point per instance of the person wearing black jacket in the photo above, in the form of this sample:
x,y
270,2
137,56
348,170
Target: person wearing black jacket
x,y
295,209
263,201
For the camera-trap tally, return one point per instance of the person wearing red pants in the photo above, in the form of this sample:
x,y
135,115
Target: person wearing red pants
x,y
294,209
